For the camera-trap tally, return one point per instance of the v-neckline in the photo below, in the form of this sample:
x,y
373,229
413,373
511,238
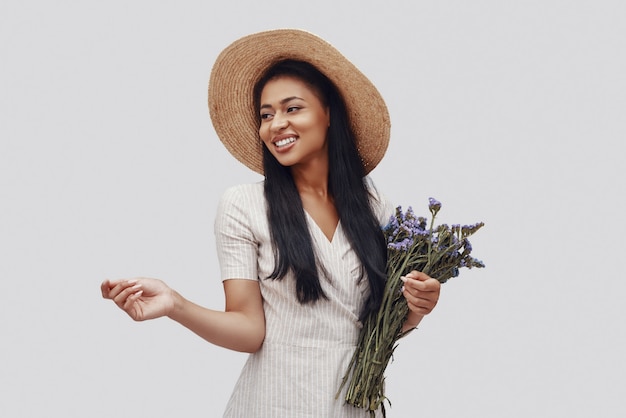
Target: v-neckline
x,y
319,229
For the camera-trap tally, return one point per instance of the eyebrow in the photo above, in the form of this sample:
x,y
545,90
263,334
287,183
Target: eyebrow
x,y
283,101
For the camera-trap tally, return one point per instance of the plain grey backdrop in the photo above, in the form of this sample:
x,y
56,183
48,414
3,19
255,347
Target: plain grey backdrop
x,y
509,112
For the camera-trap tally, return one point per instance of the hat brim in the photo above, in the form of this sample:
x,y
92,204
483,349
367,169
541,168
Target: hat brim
x,y
238,68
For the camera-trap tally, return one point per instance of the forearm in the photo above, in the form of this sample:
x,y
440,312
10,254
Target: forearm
x,y
235,330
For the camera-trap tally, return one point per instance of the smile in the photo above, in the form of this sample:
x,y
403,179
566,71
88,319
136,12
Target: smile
x,y
285,141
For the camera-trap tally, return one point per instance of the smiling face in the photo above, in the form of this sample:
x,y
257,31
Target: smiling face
x,y
294,122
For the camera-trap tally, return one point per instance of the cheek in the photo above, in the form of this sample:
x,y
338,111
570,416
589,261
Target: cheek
x,y
263,133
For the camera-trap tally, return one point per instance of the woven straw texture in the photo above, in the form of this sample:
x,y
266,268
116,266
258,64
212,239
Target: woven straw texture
x,y
242,63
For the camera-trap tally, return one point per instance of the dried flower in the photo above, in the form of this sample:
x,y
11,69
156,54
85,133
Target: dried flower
x,y
437,251
434,206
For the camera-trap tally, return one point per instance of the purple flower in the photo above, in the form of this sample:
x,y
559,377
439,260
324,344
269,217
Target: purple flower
x,y
433,205
403,245
439,251
467,230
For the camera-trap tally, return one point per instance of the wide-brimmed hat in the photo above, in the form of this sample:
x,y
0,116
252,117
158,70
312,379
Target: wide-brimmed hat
x,y
239,67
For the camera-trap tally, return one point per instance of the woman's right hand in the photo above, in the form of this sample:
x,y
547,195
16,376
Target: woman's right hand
x,y
140,298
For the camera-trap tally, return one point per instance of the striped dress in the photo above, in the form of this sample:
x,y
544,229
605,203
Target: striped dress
x,y
306,351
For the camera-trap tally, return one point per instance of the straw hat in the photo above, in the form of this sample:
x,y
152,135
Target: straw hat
x,y
244,62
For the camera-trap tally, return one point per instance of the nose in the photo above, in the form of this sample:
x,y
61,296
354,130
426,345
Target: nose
x,y
279,122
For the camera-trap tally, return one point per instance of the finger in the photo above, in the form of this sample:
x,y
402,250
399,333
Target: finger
x,y
410,286
413,284
418,280
132,299
105,288
121,297
422,302
108,284
418,275
119,286
422,299
418,305
410,297
428,285
428,290
432,285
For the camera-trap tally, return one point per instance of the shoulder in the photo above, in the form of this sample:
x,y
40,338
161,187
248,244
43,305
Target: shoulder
x,y
242,196
243,204
243,191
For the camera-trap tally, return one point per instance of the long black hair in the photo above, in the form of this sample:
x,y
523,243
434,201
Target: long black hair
x,y
346,185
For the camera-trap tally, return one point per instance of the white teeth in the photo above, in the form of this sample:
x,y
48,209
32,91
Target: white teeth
x,y
285,141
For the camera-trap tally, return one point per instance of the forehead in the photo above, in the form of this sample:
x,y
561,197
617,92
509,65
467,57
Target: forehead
x,y
283,86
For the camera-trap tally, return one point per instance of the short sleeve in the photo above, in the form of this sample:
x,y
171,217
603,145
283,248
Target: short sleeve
x,y
237,248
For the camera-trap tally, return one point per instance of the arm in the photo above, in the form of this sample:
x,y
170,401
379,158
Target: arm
x,y
421,293
420,290
240,327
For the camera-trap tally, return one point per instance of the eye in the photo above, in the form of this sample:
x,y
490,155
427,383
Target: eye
x,y
265,116
292,109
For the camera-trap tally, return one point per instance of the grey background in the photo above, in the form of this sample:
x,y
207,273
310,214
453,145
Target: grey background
x,y
508,112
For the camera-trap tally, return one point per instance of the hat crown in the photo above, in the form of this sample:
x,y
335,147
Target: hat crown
x,y
239,67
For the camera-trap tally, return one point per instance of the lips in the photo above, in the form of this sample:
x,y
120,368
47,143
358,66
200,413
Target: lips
x,y
284,141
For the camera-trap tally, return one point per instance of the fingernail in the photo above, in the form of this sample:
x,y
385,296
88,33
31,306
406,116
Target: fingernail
x,y
137,286
403,278
131,281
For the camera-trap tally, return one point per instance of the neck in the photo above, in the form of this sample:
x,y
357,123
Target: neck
x,y
313,178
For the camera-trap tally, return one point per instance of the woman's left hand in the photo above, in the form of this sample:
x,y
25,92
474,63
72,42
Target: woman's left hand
x,y
421,293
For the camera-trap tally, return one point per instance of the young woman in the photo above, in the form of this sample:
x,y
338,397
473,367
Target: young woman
x,y
302,254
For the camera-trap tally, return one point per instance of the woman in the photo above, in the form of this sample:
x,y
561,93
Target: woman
x,y
302,254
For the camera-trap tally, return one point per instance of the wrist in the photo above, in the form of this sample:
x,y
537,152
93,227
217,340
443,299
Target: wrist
x,y
177,305
412,321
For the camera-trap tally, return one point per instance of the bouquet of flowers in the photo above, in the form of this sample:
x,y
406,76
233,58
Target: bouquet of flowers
x,y
437,251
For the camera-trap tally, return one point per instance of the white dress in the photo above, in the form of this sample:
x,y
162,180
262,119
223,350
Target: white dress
x,y
306,350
